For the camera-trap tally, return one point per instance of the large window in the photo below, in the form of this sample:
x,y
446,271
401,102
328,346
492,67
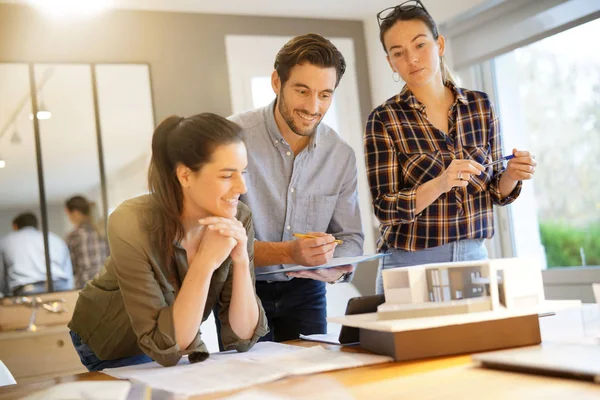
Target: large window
x,y
91,138
548,98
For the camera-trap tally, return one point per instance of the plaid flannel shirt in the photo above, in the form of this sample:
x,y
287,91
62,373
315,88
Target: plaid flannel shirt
x,y
88,253
403,150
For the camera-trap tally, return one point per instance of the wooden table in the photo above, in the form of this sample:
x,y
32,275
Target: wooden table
x,y
445,377
347,378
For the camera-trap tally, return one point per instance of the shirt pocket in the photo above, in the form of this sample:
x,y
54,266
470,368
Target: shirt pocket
x,y
319,211
418,167
478,183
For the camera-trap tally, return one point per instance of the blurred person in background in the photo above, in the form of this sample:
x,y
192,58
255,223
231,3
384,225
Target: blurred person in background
x,y
86,243
23,259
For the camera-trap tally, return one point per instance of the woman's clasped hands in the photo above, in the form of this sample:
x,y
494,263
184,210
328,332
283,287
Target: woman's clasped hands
x,y
224,237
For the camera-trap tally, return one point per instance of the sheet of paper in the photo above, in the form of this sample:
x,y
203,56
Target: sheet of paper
x,y
318,359
330,338
335,262
224,372
258,352
202,378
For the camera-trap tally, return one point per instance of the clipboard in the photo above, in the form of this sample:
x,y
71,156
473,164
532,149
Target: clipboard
x,y
334,262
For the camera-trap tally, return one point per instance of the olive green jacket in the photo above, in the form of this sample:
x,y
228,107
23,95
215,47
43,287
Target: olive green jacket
x,y
127,309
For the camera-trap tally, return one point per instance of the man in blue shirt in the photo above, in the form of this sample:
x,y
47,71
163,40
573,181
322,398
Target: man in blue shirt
x,y
23,261
302,178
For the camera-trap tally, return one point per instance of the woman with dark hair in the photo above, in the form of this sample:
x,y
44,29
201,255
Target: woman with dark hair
x,y
427,151
87,246
175,253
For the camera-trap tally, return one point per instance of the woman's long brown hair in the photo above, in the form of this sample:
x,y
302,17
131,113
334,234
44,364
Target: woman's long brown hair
x,y
180,141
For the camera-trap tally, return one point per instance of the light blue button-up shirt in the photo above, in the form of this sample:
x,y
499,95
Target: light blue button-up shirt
x,y
314,191
22,259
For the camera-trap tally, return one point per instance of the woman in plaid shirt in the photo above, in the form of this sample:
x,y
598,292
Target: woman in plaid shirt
x,y
86,244
426,150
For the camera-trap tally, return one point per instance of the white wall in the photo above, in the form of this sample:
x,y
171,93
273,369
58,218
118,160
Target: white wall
x,y
58,222
129,181
7,216
380,74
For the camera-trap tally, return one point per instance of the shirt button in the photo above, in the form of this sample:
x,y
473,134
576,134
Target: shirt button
x,y
292,190
289,153
277,141
288,227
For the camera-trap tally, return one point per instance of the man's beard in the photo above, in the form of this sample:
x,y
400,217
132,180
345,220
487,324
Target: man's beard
x,y
289,119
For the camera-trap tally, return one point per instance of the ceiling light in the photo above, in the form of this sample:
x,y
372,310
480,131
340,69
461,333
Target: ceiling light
x,y
42,115
43,112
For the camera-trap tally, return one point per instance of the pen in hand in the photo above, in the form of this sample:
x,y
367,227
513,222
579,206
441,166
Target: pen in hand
x,y
505,158
305,236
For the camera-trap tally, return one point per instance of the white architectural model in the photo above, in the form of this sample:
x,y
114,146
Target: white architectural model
x,y
436,310
461,287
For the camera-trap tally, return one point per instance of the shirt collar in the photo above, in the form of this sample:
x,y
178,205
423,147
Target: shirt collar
x,y
459,94
409,98
275,133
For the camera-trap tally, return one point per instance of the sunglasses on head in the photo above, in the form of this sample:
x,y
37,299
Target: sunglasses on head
x,y
400,8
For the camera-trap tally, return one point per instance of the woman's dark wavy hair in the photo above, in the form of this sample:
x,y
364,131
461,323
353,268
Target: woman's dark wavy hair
x,y
181,141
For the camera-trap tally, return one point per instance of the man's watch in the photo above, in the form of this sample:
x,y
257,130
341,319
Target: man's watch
x,y
342,278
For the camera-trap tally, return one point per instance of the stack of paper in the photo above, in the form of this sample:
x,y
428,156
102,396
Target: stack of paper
x,y
266,362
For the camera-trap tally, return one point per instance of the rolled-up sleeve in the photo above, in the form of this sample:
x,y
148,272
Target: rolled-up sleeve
x,y
229,339
392,204
150,315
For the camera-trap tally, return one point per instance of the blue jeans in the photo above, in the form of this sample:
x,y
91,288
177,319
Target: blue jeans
x,y
292,307
462,250
93,363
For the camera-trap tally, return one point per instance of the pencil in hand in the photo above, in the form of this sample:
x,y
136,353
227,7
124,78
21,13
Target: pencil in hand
x,y
305,236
